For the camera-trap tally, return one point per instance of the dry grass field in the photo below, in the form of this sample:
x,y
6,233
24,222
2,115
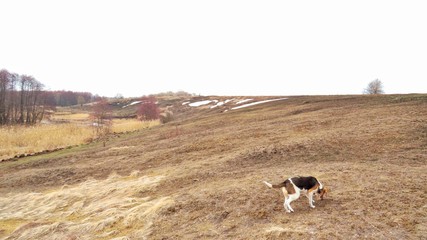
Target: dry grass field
x,y
26,140
129,125
200,177
73,129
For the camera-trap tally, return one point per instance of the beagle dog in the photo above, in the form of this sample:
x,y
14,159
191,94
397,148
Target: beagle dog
x,y
294,186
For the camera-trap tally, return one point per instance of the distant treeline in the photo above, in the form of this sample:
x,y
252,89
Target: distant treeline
x,y
171,94
68,98
23,100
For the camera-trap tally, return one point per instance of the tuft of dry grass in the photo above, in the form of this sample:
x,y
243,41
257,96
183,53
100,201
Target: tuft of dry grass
x,y
94,209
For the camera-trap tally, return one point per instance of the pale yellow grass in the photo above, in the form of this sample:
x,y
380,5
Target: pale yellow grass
x,y
26,140
20,139
126,125
67,116
95,209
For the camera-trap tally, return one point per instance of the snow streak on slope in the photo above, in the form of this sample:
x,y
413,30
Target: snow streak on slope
x,y
201,103
133,103
243,101
256,103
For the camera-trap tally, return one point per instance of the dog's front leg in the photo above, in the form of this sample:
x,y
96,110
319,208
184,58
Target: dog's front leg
x,y
311,200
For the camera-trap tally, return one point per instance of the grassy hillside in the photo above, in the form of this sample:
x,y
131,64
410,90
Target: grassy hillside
x,y
200,177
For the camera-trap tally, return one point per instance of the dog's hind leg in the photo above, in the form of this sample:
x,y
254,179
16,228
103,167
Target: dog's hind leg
x,y
285,203
291,198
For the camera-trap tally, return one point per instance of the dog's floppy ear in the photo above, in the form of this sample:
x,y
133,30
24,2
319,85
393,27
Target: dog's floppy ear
x,y
323,192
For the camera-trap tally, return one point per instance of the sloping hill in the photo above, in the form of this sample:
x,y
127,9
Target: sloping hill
x,y
200,177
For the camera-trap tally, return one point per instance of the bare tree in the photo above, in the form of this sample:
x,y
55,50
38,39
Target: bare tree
x,y
4,85
21,99
30,103
81,100
102,115
374,87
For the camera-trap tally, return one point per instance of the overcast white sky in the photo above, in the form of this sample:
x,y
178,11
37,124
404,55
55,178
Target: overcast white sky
x,y
217,47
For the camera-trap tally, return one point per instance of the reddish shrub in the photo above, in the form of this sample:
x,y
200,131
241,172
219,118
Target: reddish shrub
x,y
148,109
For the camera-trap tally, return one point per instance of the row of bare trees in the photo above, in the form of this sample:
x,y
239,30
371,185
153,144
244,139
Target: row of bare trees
x,y
68,98
21,99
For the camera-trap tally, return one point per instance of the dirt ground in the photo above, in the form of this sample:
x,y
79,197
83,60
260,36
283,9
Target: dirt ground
x,y
370,151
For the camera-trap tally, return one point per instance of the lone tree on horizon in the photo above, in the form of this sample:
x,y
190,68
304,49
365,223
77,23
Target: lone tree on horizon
x,y
374,87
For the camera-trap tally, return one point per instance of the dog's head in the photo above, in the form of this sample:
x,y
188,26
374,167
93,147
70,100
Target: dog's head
x,y
322,192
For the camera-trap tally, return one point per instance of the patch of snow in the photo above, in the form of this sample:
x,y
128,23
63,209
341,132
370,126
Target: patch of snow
x,y
133,103
218,104
120,148
256,103
243,101
228,100
185,103
200,103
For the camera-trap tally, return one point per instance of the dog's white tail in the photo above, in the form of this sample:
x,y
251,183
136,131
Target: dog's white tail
x,y
280,185
268,184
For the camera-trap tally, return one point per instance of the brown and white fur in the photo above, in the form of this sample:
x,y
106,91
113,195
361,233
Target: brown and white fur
x,y
293,187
